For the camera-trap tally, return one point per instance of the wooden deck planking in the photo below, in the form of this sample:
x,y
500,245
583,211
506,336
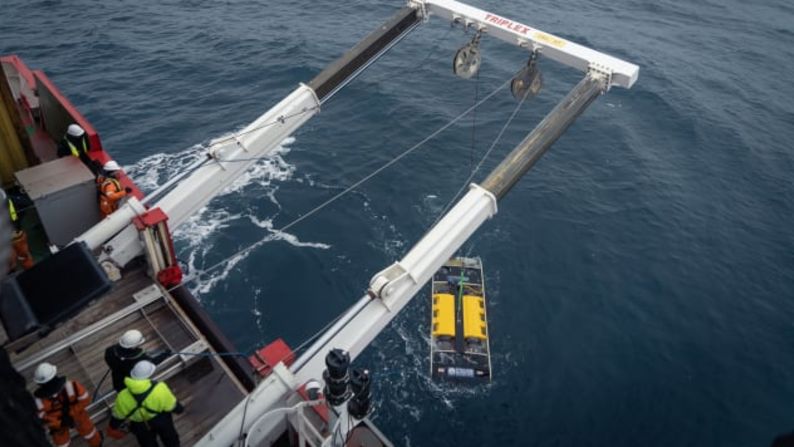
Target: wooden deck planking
x,y
89,347
167,325
85,360
201,384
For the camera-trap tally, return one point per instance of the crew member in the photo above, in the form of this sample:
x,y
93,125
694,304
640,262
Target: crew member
x,y
75,143
110,190
122,356
20,251
147,405
61,404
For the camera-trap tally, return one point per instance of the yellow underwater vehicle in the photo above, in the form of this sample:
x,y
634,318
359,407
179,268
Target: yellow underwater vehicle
x,y
459,349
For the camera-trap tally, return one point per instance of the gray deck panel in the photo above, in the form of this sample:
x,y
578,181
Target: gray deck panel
x,y
119,297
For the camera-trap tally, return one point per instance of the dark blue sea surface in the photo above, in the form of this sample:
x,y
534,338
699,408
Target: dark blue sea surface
x,y
641,277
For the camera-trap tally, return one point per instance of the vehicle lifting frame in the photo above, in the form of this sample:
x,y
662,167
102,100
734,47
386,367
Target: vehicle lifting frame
x,y
392,288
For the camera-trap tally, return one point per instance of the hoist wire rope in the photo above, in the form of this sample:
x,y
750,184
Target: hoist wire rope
x,y
308,109
190,169
482,160
474,121
280,119
350,188
317,334
309,340
350,78
207,155
393,160
293,351
377,171
412,70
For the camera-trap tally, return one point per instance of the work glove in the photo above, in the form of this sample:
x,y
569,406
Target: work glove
x,y
178,409
116,433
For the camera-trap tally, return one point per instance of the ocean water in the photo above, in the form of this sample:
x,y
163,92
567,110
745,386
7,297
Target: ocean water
x,y
641,276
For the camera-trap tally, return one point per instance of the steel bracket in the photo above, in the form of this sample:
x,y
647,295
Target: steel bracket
x,y
602,71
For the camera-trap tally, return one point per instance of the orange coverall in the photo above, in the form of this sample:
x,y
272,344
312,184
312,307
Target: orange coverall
x,y
110,192
51,412
20,252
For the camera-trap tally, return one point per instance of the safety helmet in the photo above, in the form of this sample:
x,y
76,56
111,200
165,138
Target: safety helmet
x,y
75,130
142,370
44,373
131,339
111,166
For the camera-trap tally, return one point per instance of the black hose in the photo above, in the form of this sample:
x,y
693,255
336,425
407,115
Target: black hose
x,y
93,397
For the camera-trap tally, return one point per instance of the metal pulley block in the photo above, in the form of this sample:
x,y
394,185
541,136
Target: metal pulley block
x,y
528,81
467,59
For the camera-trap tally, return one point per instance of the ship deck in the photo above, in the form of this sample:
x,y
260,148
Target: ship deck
x,y
202,383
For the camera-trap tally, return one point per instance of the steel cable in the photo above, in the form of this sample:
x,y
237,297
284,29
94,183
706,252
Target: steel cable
x,y
356,184
482,160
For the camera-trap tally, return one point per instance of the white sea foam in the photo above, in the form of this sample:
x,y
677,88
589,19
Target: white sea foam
x,y
194,238
284,236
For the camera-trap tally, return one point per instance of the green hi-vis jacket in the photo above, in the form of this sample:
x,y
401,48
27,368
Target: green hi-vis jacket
x,y
12,211
159,400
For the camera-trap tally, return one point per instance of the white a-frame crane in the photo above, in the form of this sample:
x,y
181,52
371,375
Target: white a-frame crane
x,y
392,288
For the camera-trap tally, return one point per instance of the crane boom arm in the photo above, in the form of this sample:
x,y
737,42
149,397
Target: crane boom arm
x,y
233,155
229,159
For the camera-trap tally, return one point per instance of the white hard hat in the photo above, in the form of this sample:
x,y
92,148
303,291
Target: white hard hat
x,y
111,166
44,373
142,370
131,339
75,130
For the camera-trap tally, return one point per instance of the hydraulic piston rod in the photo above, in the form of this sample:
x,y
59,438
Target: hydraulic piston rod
x,y
347,67
529,151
